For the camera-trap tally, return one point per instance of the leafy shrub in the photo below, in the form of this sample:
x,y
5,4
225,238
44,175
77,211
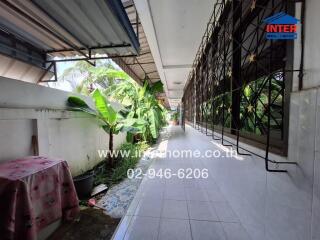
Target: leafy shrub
x,y
123,163
127,162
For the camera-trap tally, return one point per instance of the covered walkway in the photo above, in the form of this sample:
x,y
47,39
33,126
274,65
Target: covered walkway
x,y
238,200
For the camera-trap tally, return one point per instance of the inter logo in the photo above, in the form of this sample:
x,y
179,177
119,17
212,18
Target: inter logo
x,y
281,26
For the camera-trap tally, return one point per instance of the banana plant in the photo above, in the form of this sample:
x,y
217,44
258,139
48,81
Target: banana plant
x,y
84,78
112,120
142,105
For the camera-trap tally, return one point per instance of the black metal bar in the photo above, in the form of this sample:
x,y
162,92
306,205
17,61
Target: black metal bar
x,y
122,17
303,10
137,25
207,82
224,83
214,47
236,67
259,72
53,64
257,155
55,71
269,115
236,78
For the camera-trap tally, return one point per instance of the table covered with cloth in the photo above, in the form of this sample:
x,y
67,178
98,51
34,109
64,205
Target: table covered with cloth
x,y
34,192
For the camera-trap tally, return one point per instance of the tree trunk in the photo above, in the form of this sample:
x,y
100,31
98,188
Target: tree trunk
x,y
110,157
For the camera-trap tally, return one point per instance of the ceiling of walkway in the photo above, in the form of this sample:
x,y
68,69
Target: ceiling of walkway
x,y
174,29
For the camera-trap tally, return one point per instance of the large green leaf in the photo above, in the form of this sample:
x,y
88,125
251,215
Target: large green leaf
x,y
153,121
104,107
78,104
133,125
143,90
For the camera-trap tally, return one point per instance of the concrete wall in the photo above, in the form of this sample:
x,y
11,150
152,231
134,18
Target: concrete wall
x,y
301,188
303,148
28,110
280,206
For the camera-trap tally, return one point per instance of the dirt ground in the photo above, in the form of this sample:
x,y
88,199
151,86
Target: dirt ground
x,y
93,225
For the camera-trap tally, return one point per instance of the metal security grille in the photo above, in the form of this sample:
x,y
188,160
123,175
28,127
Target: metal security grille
x,y
240,81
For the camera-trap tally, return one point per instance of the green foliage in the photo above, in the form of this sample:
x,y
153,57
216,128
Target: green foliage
x,y
103,75
105,110
113,121
253,107
141,104
78,104
256,120
119,172
154,123
136,150
157,87
175,116
140,114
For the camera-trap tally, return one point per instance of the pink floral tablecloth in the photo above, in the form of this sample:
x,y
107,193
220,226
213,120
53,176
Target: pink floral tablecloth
x,y
34,192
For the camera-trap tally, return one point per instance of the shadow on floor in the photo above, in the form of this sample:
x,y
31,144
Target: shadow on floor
x,y
93,224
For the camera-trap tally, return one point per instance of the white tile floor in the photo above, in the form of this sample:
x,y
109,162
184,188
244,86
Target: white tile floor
x,y
180,208
238,201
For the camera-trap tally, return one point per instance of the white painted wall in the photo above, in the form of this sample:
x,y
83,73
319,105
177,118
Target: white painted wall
x,y
28,109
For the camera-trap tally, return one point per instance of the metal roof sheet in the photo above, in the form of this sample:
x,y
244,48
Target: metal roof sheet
x,y
141,67
98,24
33,32
15,69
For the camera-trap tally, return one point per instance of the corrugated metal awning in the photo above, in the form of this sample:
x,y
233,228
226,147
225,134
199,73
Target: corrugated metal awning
x,y
141,67
15,69
72,27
